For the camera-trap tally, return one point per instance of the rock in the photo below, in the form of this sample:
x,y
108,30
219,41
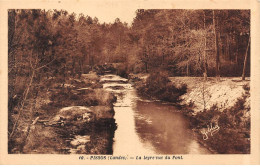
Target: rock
x,y
73,151
81,149
116,87
80,140
81,114
75,114
84,89
113,78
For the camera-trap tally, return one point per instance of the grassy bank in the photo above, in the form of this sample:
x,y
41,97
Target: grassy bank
x,y
71,117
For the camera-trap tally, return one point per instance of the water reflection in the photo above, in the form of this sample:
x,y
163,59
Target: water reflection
x,y
147,127
165,128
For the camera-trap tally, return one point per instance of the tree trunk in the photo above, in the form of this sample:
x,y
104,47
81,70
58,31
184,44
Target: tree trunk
x,y
237,46
146,67
228,48
188,68
216,44
22,105
80,67
205,74
73,67
11,30
245,60
145,55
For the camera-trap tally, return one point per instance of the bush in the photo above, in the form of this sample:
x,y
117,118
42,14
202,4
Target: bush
x,y
229,141
234,131
121,70
229,118
246,87
159,86
172,93
203,118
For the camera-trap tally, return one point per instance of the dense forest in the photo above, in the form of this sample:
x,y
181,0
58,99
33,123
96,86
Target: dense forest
x,y
183,42
47,47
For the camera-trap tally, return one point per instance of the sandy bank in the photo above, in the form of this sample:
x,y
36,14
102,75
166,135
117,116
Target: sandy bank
x,y
223,93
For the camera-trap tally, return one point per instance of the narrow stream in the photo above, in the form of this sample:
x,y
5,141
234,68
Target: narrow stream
x,y
148,127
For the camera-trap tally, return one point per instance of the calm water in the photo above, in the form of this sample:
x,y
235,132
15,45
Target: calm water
x,y
148,127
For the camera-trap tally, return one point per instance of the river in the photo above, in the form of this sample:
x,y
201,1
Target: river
x,y
148,127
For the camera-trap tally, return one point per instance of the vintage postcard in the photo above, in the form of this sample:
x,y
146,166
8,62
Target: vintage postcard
x,y
130,82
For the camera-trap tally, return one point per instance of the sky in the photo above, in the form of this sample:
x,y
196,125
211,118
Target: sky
x,y
105,11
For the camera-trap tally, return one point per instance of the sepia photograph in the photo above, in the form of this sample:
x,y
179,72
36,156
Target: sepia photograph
x,y
164,81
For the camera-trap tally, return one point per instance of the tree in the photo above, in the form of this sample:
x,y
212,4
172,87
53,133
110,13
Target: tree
x,y
245,60
216,33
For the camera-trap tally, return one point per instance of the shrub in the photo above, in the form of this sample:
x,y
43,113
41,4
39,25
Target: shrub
x,y
159,86
246,87
172,93
229,141
234,131
121,70
204,117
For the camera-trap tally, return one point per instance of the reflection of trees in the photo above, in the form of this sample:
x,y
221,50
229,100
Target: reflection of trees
x,y
161,126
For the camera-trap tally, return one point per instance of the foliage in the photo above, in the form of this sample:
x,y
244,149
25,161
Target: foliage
x,y
176,40
234,142
234,127
159,86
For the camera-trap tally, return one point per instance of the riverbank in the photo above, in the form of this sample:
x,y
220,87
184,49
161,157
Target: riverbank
x,y
75,116
218,110
222,93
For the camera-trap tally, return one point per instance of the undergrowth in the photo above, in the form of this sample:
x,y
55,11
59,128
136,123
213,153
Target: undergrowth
x,y
158,86
234,126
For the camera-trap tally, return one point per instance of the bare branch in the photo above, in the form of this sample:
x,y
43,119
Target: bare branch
x,y
45,64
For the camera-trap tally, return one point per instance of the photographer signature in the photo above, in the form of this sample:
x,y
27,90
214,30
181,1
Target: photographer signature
x,y
210,130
